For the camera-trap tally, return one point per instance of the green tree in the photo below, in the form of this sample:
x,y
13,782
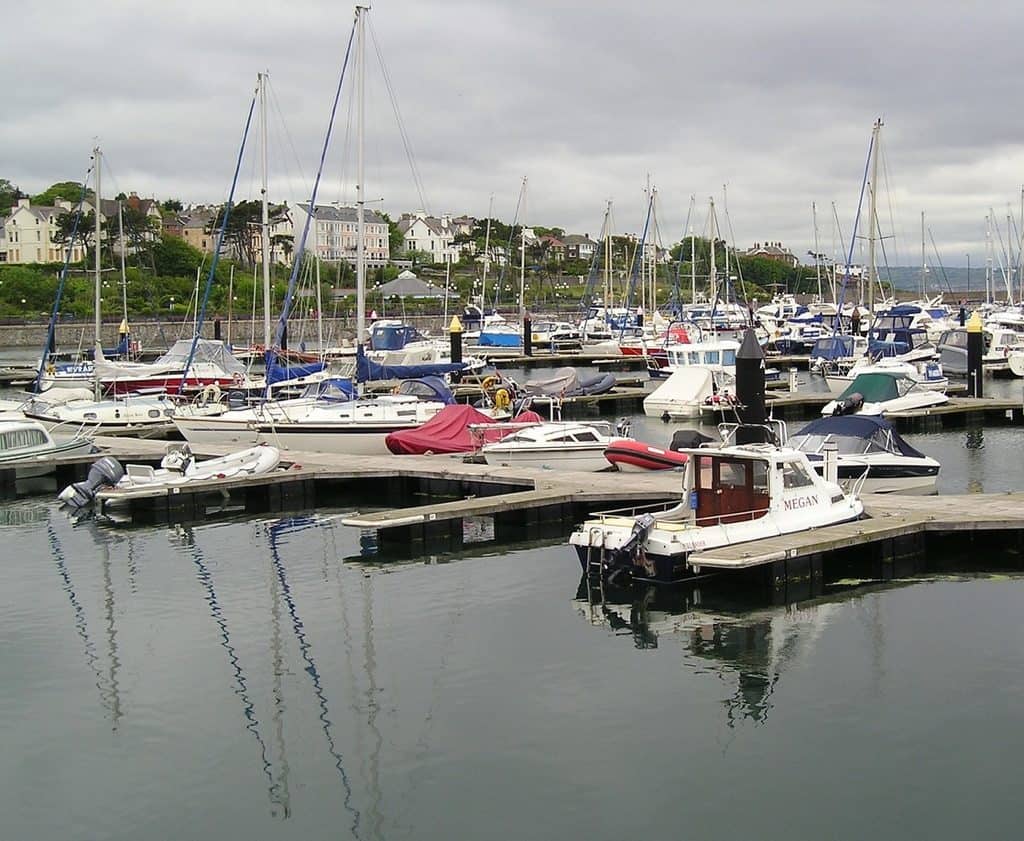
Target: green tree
x,y
9,195
396,242
172,206
65,224
175,257
68,190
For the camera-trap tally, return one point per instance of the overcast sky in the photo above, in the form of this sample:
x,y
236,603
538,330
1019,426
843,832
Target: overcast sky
x,y
586,99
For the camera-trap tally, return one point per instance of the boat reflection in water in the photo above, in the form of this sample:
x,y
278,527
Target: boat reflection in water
x,y
740,637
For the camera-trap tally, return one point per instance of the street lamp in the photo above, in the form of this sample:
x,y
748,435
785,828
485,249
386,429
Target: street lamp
x,y
170,306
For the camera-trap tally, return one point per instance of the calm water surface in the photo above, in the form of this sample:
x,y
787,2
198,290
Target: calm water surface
x,y
257,679
246,680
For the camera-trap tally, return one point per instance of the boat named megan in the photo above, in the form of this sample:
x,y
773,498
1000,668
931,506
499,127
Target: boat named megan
x,y
730,495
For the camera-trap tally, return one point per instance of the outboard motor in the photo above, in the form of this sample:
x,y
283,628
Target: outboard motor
x,y
624,427
105,473
850,405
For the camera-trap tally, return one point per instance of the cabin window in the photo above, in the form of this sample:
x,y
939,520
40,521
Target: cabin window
x,y
586,436
795,475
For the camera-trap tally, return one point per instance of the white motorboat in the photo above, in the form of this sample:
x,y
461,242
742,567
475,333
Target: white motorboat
x,y
322,421
881,391
925,373
868,448
109,482
140,416
682,395
555,445
33,447
730,495
718,355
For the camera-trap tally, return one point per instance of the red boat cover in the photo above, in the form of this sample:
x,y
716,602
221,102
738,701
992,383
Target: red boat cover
x,y
448,432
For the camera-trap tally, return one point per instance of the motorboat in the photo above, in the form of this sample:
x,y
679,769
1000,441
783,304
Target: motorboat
x,y
867,445
1000,347
925,374
212,364
717,355
33,447
730,495
557,335
880,391
457,428
109,482
682,395
555,445
139,416
324,422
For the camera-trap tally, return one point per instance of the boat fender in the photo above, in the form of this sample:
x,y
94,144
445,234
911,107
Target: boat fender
x,y
502,399
105,472
489,383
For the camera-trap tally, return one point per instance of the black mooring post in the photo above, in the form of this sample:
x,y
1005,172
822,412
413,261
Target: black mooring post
x,y
975,350
455,340
750,391
527,336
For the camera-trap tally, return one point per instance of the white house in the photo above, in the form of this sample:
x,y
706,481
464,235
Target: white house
x,y
29,233
332,234
579,247
431,234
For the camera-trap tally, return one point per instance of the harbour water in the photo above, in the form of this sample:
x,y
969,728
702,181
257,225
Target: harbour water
x,y
264,679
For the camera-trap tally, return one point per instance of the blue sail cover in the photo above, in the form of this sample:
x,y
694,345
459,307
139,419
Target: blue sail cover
x,y
367,369
279,373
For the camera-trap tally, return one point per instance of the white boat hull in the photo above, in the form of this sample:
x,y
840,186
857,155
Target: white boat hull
x,y
588,460
354,439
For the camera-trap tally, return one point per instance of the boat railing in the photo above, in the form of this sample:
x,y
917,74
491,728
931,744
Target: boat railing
x,y
634,510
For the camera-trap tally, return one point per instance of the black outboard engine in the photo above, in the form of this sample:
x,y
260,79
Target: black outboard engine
x,y
105,473
849,405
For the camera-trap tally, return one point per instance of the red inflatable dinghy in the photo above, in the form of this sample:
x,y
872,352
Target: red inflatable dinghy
x,y
627,454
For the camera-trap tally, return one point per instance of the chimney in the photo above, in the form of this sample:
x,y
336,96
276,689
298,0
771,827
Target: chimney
x,y
24,202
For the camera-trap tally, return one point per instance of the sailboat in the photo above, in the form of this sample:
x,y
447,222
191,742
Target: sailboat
x,y
338,422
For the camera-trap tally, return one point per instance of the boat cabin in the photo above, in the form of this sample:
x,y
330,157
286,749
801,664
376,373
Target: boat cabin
x,y
716,355
393,335
22,437
734,485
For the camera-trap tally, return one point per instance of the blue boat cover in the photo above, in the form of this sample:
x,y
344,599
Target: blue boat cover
x,y
280,373
367,369
858,426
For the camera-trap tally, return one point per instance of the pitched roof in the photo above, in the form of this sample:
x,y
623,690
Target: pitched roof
x,y
577,239
338,213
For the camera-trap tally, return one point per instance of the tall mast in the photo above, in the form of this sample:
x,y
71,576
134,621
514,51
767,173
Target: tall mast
x,y
607,297
817,255
988,258
873,220
487,255
265,229
712,279
319,311
653,274
924,264
693,255
522,259
360,190
124,276
97,338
